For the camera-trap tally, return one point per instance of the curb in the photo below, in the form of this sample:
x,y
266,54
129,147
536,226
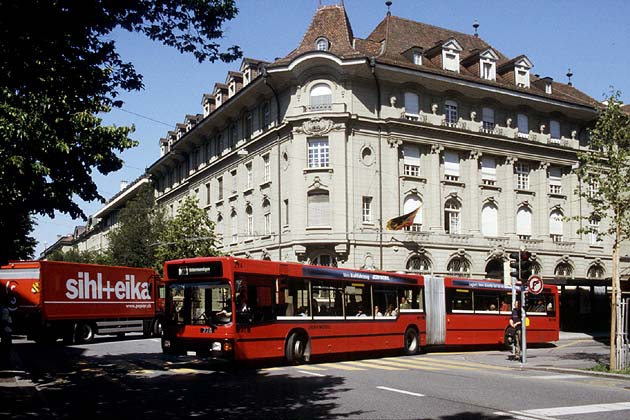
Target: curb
x,y
581,372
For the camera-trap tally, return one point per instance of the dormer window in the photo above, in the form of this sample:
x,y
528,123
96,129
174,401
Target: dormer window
x,y
488,64
231,89
247,75
522,77
451,61
450,55
218,98
322,44
417,57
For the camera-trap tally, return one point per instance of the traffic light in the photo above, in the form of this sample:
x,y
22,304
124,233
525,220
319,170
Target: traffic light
x,y
515,258
521,265
526,266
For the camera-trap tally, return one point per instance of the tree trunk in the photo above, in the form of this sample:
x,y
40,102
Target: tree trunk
x,y
614,304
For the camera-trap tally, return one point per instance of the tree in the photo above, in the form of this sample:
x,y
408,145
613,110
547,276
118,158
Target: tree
x,y
60,69
87,257
189,234
604,172
140,224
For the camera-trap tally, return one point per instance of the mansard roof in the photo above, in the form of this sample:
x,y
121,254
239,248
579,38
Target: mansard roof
x,y
330,22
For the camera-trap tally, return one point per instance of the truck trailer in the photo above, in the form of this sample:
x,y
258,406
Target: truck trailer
x,y
51,300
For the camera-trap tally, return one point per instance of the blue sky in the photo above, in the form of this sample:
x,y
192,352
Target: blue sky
x,y
592,38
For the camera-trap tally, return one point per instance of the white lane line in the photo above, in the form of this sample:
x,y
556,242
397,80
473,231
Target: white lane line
x,y
567,376
518,416
579,409
415,394
310,373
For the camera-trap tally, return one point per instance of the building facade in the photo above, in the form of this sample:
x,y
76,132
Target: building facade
x,y
306,158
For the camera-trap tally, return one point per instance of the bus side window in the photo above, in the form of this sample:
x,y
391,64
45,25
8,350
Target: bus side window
x,y
412,298
550,308
385,298
296,297
486,301
327,298
461,301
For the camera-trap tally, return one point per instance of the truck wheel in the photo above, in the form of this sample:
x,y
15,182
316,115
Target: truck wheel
x,y
295,350
412,342
157,328
84,333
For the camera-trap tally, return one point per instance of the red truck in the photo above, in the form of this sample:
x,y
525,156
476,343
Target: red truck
x,y
50,300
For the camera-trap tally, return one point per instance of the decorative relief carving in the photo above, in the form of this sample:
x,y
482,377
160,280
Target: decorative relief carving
x,y
436,148
317,126
394,142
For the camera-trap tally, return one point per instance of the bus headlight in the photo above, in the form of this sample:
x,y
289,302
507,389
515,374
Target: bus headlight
x,y
216,346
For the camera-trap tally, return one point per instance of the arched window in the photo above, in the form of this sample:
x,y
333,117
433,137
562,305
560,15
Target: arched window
x,y
563,269
412,202
459,266
556,225
494,269
490,220
321,97
322,44
596,271
324,259
419,264
536,267
452,216
318,208
524,222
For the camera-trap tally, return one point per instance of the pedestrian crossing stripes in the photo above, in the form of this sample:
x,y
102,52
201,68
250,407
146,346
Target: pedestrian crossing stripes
x,y
394,364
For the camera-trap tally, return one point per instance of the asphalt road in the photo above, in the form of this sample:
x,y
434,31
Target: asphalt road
x,y
130,378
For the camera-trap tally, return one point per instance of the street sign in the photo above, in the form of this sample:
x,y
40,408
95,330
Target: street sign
x,y
535,285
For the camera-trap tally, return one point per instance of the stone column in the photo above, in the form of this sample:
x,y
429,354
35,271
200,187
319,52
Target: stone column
x,y
541,211
509,204
434,207
472,200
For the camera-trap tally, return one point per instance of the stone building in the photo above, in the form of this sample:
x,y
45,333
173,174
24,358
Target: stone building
x,y
307,157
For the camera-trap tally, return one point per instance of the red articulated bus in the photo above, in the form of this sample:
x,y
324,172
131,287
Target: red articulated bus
x,y
51,300
243,309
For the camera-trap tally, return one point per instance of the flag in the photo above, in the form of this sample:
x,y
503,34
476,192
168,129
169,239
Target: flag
x,y
401,222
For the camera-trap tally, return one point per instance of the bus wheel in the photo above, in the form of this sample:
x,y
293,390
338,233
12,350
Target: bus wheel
x,y
295,351
412,341
84,333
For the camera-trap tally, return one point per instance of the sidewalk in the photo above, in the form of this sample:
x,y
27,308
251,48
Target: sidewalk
x,y
573,353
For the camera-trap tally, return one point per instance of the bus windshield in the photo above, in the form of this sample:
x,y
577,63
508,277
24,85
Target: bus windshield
x,y
207,303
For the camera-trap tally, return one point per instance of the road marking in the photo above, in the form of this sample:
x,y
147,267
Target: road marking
x,y
570,344
385,388
340,366
443,365
309,367
372,366
519,416
567,376
310,373
406,365
465,364
579,409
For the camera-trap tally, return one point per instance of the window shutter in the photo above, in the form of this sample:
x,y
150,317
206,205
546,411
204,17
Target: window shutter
x,y
411,155
524,221
318,209
555,175
411,203
488,168
451,163
489,220
555,223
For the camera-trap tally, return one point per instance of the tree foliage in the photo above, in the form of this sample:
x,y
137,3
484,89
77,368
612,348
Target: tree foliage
x,y
140,224
60,69
87,257
189,234
604,173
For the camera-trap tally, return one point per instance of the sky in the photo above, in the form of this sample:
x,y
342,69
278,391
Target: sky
x,y
592,38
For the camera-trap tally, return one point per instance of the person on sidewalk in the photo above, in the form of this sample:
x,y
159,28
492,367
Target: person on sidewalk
x,y
515,325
